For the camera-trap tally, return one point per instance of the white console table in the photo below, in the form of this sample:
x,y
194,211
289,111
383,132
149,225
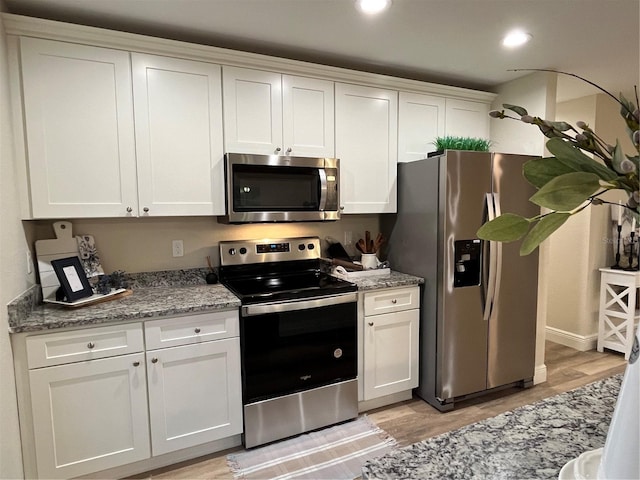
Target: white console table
x,y
618,309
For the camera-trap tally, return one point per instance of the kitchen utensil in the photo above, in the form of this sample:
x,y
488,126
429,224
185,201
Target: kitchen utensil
x,y
349,265
378,243
336,250
63,246
211,277
360,245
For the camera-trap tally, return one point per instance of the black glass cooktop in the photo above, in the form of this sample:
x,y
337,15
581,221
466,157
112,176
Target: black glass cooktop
x,y
285,286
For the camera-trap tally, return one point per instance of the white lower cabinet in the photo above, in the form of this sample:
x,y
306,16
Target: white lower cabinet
x,y
90,415
194,394
390,341
99,400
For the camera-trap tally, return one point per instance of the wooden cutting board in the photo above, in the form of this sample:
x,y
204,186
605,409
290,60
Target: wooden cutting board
x,y
63,246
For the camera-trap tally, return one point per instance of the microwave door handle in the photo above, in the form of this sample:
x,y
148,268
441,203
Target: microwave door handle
x,y
323,189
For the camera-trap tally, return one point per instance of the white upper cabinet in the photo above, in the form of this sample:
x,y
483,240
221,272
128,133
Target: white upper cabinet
x,y
269,113
367,146
465,118
421,118
79,129
179,145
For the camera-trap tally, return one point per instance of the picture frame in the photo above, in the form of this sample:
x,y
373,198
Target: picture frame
x,y
72,278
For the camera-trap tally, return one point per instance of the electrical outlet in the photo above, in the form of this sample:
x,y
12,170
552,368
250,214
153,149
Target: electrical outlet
x,y
178,248
348,238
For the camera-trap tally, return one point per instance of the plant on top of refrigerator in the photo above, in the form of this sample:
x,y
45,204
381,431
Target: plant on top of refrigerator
x,y
571,180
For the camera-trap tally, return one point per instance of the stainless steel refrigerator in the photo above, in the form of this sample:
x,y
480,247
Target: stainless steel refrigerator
x,y
478,309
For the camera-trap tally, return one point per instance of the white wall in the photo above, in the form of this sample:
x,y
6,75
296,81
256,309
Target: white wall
x,y
583,245
13,278
536,93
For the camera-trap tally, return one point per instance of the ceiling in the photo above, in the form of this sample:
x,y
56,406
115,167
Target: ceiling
x,y
454,42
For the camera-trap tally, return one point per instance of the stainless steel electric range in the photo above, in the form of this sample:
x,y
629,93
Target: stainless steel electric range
x,y
298,337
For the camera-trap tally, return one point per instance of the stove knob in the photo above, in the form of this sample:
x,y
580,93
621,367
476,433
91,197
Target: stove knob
x,y
243,251
301,246
232,251
311,246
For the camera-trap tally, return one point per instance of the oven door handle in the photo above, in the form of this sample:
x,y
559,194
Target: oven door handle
x,y
265,308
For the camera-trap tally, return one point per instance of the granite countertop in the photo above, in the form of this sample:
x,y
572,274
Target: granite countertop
x,y
155,294
393,279
530,442
141,304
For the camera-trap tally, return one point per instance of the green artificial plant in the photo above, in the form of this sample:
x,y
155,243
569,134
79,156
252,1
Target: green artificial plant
x,y
461,143
571,180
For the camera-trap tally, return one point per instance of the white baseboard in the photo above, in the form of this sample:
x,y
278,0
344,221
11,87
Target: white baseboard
x,y
569,339
540,374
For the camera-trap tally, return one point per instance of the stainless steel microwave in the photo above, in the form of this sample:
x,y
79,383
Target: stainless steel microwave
x,y
274,188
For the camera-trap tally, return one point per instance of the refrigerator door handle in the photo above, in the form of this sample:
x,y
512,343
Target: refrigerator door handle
x,y
491,281
498,271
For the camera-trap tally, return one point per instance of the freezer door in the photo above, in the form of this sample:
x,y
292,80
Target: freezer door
x,y
512,326
462,331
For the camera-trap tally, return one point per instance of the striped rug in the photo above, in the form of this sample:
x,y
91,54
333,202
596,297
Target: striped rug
x,y
334,453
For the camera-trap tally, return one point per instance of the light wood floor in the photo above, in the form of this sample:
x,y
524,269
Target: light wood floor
x,y
415,420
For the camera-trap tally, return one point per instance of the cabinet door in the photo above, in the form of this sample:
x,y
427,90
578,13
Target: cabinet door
x,y
390,353
307,111
467,119
178,121
367,146
194,394
79,129
252,111
89,416
420,121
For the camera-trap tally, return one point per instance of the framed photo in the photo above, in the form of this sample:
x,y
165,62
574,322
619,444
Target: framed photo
x,y
73,280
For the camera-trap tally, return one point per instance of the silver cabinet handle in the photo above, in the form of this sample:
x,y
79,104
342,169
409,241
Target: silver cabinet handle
x,y
371,324
145,209
129,209
91,345
289,150
278,149
197,330
136,364
154,360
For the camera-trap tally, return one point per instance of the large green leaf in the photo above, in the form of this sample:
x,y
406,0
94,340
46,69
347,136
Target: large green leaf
x,y
575,159
567,191
505,228
515,108
545,227
539,171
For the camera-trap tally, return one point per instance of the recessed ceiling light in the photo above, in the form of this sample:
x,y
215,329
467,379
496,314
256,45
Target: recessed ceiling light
x,y
516,38
372,7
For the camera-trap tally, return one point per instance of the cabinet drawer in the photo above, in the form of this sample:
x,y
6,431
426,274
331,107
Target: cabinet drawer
x,y
187,329
391,300
86,344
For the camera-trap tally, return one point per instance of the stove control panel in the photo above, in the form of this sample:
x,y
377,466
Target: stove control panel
x,y
242,252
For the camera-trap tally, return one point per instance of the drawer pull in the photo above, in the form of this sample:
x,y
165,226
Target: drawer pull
x,y
371,324
394,301
154,360
91,345
197,330
136,364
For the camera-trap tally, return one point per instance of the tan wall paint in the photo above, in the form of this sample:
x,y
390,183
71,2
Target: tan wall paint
x,y
144,245
583,245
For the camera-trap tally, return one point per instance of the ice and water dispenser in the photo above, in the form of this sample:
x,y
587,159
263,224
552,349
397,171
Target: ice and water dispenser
x,y
468,263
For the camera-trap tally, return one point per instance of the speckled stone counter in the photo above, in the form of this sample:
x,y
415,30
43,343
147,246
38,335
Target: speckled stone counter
x,y
530,442
394,279
143,303
155,294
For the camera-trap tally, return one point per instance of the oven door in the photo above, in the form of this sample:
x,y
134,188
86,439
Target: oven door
x,y
289,347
